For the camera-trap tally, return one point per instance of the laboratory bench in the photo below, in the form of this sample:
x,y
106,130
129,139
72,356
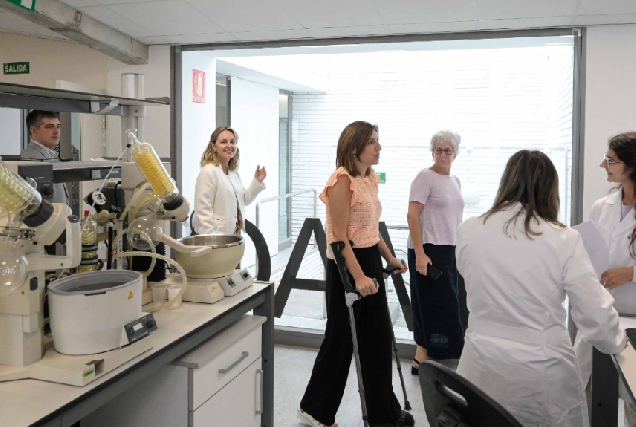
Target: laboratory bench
x,y
194,345
608,371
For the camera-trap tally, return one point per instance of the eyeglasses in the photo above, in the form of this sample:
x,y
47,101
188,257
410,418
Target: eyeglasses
x,y
609,160
447,151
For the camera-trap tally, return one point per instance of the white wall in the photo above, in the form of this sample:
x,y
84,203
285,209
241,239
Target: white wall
x,y
198,120
53,60
156,85
610,106
11,125
254,115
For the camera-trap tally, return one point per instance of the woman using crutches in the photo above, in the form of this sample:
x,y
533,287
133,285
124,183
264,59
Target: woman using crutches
x,y
353,214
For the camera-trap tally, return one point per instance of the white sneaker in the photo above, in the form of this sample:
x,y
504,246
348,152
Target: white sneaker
x,y
304,416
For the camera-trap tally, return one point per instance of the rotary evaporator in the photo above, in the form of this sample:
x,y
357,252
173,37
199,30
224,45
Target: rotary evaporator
x,y
78,330
206,264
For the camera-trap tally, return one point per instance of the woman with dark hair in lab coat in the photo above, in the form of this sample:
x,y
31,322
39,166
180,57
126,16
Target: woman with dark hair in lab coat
x,y
615,218
520,263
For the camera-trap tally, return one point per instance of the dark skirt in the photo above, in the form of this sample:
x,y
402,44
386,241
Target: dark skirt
x,y
437,323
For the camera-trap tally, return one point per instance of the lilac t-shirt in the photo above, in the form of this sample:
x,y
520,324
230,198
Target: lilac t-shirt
x,y
625,210
441,196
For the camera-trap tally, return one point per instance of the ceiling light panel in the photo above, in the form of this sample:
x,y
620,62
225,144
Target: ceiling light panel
x,y
247,15
606,7
418,11
332,13
510,9
168,18
107,16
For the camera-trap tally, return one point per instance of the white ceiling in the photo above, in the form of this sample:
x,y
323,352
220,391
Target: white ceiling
x,y
210,21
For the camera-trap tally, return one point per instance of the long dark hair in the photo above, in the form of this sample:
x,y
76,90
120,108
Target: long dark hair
x,y
624,145
351,143
531,179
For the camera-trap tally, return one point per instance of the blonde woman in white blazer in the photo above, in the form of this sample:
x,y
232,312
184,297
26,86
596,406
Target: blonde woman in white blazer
x,y
615,218
219,195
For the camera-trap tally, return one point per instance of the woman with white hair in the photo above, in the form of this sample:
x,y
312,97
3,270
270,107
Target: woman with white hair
x,y
435,212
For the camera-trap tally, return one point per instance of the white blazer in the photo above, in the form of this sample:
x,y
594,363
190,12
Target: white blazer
x,y
517,347
606,214
215,200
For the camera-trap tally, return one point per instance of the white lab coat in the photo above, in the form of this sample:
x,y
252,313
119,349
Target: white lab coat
x,y
517,346
215,200
606,214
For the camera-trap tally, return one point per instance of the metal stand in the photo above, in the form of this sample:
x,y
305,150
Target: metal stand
x,y
132,86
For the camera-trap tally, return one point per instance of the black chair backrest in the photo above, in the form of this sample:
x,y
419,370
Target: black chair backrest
x,y
452,401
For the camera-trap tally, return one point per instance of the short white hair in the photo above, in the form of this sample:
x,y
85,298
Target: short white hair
x,y
446,136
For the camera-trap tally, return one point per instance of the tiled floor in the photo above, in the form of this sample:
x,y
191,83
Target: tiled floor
x,y
293,369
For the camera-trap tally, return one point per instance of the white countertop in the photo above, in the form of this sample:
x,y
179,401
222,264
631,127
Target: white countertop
x,y
626,359
25,402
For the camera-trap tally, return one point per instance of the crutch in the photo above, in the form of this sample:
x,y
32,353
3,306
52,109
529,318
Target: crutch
x,y
407,405
351,296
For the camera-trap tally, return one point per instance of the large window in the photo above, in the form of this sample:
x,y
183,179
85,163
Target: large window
x,y
500,95
284,176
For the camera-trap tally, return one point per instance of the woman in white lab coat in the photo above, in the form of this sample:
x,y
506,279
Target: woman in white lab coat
x,y
219,195
519,263
614,216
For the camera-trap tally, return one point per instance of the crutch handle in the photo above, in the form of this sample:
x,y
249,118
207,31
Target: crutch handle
x,y
390,269
336,250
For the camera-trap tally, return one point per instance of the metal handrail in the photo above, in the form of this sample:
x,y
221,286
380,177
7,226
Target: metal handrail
x,y
284,196
398,227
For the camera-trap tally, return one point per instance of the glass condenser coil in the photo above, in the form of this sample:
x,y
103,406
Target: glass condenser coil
x,y
150,165
16,195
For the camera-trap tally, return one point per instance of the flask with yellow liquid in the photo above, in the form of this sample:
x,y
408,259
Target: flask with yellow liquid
x,y
150,165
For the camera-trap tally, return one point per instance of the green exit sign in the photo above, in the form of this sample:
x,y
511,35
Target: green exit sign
x,y
24,4
382,176
16,68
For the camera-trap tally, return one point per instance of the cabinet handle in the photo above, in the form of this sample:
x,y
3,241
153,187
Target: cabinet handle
x,y
259,372
244,356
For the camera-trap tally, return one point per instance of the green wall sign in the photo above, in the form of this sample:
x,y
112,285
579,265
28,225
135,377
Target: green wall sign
x,y
16,68
382,176
24,4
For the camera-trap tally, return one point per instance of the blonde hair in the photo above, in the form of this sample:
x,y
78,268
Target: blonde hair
x,y
209,155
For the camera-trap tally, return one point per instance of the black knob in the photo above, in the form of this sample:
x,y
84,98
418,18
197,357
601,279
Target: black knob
x,y
47,190
151,323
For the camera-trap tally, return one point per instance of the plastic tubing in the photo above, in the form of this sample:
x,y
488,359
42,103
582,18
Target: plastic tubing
x,y
154,260
144,202
184,277
134,199
93,205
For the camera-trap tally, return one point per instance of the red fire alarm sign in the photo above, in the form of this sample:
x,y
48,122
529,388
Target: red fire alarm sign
x,y
198,86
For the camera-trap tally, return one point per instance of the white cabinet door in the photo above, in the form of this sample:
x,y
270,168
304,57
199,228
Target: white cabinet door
x,y
160,400
237,404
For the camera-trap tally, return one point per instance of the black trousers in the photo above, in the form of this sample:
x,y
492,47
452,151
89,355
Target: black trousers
x,y
437,324
331,369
